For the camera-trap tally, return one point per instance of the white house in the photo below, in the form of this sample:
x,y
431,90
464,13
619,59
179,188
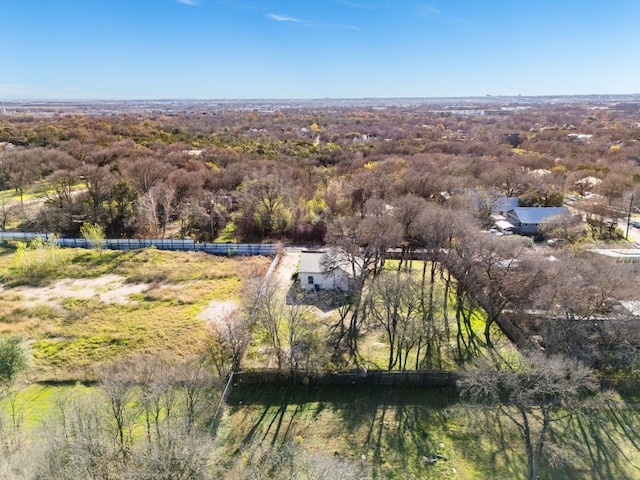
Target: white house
x,y
324,270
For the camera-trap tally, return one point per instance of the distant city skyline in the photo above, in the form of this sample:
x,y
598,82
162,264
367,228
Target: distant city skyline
x,y
249,49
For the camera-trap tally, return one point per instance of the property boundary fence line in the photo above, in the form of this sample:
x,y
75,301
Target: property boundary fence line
x,y
223,400
183,245
304,379
426,379
272,268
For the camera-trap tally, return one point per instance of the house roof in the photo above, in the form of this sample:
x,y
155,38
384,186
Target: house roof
x,y
503,225
632,307
313,261
540,172
536,214
504,204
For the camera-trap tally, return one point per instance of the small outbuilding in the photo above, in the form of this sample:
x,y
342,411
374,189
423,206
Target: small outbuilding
x,y
325,270
505,227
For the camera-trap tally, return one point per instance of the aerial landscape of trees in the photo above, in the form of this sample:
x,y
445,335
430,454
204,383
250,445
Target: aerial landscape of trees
x,y
541,330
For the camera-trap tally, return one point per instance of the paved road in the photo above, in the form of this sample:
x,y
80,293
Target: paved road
x,y
634,233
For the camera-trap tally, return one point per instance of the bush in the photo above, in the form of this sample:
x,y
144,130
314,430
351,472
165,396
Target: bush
x,y
37,260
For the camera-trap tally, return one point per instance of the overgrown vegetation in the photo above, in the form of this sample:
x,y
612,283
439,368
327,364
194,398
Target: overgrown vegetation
x,y
37,261
419,184
71,335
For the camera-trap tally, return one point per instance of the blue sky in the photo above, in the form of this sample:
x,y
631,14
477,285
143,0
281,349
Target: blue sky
x,y
206,49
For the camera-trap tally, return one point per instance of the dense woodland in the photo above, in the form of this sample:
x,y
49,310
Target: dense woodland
x,y
289,174
367,179
406,192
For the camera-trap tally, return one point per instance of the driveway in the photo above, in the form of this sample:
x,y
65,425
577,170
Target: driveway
x,y
634,233
287,267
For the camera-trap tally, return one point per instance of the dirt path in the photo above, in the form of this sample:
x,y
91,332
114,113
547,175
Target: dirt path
x,y
286,269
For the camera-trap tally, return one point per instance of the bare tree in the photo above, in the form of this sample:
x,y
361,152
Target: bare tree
x,y
59,193
496,273
300,338
579,312
583,287
5,211
603,219
534,393
147,172
76,443
195,381
407,211
155,209
264,205
118,387
13,360
21,169
365,243
268,313
98,181
228,342
563,228
395,306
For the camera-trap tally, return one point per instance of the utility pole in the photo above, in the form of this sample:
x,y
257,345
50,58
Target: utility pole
x,y
629,217
211,204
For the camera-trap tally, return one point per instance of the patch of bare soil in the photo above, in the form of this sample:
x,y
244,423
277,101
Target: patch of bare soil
x,y
217,311
108,289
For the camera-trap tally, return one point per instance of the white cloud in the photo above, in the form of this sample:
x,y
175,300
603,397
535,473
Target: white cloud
x,y
428,10
371,5
347,27
191,3
283,18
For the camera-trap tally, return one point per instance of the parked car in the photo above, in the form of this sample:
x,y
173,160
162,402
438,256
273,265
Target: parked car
x,y
634,224
556,242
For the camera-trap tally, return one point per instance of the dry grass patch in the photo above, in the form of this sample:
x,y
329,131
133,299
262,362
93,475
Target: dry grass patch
x,y
108,288
116,304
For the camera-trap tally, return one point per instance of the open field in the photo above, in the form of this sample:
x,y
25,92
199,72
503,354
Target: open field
x,y
97,308
395,434
402,434
94,308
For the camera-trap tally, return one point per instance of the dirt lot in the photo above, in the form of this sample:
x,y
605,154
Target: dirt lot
x,y
287,267
108,288
218,310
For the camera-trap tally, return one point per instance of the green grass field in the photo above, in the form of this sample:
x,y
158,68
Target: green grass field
x,y
391,433
404,433
69,336
396,432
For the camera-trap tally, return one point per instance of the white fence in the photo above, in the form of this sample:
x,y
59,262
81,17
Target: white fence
x,y
184,245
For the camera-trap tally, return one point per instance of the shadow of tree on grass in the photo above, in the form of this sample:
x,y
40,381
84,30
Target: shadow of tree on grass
x,y
427,433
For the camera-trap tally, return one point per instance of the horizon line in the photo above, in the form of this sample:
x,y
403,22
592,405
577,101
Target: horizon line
x,y
310,99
